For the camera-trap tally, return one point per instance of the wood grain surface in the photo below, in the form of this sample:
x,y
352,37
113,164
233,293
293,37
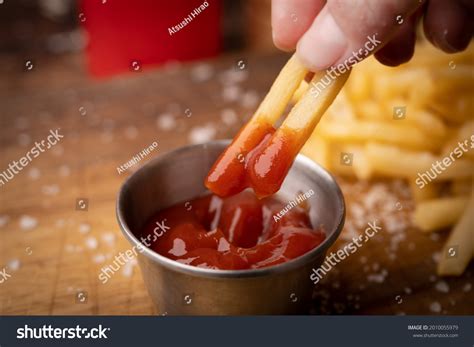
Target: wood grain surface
x,y
54,251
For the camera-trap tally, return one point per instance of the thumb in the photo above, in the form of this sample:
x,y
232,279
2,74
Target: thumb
x,y
347,31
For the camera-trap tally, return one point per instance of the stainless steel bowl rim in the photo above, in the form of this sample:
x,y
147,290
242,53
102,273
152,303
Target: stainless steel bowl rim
x,y
213,273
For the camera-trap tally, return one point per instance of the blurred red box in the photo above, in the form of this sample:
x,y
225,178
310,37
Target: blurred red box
x,y
126,35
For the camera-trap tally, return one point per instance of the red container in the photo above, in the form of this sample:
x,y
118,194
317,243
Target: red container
x,y
125,35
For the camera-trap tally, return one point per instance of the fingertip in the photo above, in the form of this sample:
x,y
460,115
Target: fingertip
x,y
447,25
323,44
401,48
290,20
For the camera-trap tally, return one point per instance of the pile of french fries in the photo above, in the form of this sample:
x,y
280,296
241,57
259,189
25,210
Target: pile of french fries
x,y
397,122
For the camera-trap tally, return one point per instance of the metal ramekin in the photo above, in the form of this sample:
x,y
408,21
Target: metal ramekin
x,y
180,289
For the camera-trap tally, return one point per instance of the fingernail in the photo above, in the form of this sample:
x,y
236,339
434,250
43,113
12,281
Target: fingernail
x,y
323,44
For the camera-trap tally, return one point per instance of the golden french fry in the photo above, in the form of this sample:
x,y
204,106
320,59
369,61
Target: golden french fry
x,y
391,133
300,92
459,248
440,213
462,187
317,149
392,161
305,115
429,192
281,91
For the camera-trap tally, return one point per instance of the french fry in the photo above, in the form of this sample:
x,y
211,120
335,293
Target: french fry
x,y
304,86
459,248
429,192
424,147
317,149
392,161
440,213
362,131
281,91
462,187
228,176
305,115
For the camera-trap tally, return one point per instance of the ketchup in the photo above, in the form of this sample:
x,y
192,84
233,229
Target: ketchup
x,y
238,232
258,158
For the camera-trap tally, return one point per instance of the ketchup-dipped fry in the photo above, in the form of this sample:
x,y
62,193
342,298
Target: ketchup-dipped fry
x,y
260,157
227,176
268,168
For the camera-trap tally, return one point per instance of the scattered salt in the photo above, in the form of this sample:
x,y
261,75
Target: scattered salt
x,y
202,73
442,287
98,258
52,189
13,264
27,222
91,242
84,228
229,116
4,220
64,170
108,238
435,307
24,139
127,269
34,173
230,93
250,99
201,134
467,287
131,132
166,122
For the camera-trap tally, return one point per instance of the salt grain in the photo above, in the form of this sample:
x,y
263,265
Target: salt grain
x,y
98,258
27,222
436,257
230,93
24,139
202,73
229,116
58,151
377,278
166,122
435,307
249,99
21,123
91,242
52,189
442,287
34,173
13,264
4,219
127,269
84,228
467,287
64,170
107,136
202,134
109,239
131,132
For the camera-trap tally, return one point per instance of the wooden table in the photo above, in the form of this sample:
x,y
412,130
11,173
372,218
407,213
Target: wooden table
x,y
54,250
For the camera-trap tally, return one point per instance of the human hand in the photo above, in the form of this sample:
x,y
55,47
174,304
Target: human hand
x,y
327,33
